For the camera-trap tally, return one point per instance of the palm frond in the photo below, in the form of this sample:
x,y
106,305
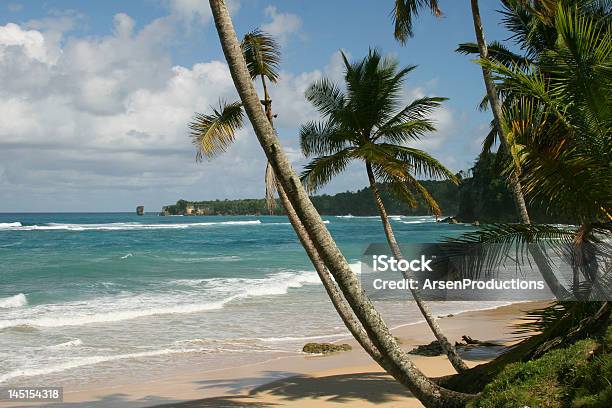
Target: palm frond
x,y
262,55
403,13
497,51
322,138
326,96
484,250
410,122
419,162
322,169
213,133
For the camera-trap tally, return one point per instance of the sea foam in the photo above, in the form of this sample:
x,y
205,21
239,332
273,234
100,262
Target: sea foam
x,y
117,226
18,300
116,309
84,361
8,225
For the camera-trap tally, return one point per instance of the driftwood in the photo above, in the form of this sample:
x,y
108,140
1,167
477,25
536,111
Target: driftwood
x,y
433,349
470,342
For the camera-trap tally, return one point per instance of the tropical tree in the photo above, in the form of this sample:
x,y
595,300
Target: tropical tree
x,y
213,133
398,363
404,11
403,30
558,110
367,122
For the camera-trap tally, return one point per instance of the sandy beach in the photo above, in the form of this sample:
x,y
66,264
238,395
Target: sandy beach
x,y
305,381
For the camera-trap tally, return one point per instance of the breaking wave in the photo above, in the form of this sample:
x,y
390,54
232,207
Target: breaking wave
x,y
117,226
115,309
19,300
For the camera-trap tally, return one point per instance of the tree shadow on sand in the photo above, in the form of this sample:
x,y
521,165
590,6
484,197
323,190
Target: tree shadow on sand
x,y
241,384
373,387
220,402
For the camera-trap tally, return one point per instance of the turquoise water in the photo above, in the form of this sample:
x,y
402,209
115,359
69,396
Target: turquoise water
x,y
86,296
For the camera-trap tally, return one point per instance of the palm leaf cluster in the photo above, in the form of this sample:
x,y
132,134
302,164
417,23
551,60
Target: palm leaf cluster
x,y
558,113
366,120
403,13
262,55
213,133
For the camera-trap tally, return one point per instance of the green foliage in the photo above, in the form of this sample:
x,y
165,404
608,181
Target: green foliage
x,y
558,109
212,134
262,55
359,203
486,197
403,13
366,119
578,376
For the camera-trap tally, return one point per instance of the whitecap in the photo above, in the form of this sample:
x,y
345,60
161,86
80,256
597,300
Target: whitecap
x,y
7,225
120,226
65,345
116,309
18,300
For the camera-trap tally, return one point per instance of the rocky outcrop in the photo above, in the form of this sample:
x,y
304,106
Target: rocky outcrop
x,y
324,348
430,350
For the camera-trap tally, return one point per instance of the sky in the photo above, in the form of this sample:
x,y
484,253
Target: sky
x,y
96,96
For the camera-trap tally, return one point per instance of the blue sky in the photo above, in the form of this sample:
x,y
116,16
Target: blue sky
x,y
97,95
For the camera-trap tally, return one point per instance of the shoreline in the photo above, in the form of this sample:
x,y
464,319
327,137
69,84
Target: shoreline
x,y
260,381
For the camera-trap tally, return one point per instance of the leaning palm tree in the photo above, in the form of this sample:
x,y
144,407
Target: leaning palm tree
x,y
403,30
368,123
559,110
399,365
213,133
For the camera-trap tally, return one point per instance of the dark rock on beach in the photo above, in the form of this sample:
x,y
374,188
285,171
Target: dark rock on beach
x,y
324,348
430,350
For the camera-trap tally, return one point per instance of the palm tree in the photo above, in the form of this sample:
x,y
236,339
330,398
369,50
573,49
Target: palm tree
x,y
368,123
558,109
399,365
403,26
404,11
213,133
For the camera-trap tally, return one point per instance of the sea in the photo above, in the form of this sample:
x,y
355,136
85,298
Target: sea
x,y
92,298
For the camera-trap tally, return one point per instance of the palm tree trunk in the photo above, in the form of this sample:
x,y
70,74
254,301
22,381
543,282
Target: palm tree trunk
x,y
448,348
267,102
515,184
334,294
400,365
343,309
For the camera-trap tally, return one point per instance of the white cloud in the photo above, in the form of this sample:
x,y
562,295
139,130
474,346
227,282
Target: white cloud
x,y
104,119
282,25
31,42
90,115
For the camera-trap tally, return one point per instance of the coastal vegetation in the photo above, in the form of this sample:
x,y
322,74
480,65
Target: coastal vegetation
x,y
551,115
481,195
357,203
